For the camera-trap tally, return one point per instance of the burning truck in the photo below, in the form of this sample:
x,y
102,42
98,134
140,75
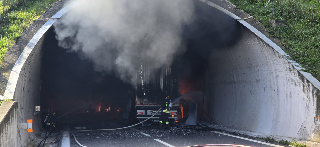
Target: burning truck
x,y
81,96
151,90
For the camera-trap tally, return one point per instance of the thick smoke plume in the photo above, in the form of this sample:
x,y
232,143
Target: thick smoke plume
x,y
117,35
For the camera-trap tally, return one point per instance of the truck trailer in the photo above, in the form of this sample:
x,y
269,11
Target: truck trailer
x,y
151,90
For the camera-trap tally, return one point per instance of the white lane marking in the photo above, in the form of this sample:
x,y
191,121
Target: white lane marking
x,y
256,141
78,141
167,144
65,139
145,134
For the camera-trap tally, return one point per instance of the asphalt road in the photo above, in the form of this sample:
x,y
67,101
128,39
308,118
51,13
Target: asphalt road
x,y
151,137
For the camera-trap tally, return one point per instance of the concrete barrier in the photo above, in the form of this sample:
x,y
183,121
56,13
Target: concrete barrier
x,y
8,124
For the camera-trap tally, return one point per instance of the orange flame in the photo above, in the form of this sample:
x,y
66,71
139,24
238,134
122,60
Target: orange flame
x,y
181,110
107,109
99,107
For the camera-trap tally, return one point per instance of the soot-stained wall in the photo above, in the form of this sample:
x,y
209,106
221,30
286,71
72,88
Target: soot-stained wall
x,y
250,87
247,85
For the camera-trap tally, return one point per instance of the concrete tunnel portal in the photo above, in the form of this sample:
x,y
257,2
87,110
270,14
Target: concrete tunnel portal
x,y
79,95
244,84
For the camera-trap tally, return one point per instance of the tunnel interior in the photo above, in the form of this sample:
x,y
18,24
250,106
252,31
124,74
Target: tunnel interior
x,y
81,96
76,92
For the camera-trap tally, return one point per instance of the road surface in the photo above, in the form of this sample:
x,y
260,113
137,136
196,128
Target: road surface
x,y
152,137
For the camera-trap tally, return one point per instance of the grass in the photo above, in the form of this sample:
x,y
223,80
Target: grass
x,y
299,36
293,143
269,139
14,20
5,100
296,144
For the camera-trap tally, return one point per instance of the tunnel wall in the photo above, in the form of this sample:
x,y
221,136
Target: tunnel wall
x,y
27,94
251,87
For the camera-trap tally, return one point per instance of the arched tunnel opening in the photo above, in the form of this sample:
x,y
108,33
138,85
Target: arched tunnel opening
x,y
79,95
236,78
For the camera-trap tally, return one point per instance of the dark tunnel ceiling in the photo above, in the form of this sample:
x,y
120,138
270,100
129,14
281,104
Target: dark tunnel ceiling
x,y
66,75
210,30
67,71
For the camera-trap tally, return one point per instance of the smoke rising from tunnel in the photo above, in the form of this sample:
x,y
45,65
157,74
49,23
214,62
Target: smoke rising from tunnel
x,y
116,35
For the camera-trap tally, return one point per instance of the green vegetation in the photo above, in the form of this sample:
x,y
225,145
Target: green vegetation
x,y
285,142
296,144
269,139
293,143
5,100
298,35
14,20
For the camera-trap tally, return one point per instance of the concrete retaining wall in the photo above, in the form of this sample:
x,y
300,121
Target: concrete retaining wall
x,y
251,87
8,124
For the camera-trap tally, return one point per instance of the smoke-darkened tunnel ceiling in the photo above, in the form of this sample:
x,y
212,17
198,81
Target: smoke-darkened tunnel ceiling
x,y
70,83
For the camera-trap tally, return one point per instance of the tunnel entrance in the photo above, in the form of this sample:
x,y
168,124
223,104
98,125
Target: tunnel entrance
x,y
239,80
81,96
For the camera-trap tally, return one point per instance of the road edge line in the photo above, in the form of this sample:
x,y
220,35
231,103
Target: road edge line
x,y
247,139
65,142
145,134
162,142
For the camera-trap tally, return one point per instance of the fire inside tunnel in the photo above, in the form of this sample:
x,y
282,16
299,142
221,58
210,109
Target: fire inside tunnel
x,y
78,94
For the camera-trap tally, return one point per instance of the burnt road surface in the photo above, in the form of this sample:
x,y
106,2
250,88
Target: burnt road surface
x,y
146,137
